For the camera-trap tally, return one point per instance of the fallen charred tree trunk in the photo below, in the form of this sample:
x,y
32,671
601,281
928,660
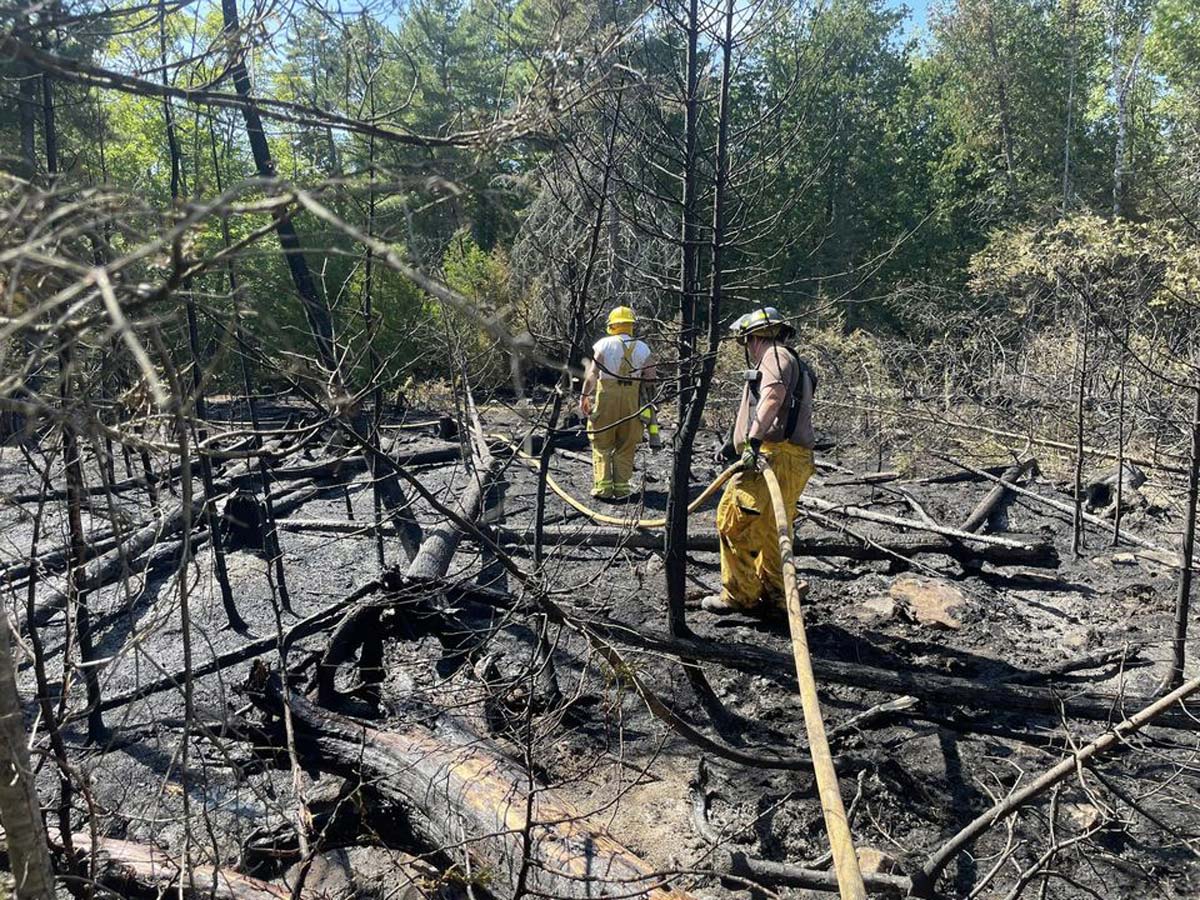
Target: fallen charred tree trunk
x,y
128,484
151,548
928,686
359,630
1068,767
101,490
104,569
415,454
1064,508
107,567
995,499
55,560
459,790
318,621
105,550
142,870
1021,550
868,515
311,625
124,558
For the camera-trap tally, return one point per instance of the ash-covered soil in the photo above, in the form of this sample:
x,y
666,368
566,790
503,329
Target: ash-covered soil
x,y
911,779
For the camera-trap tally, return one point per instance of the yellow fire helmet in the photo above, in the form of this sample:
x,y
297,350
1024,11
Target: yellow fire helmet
x,y
621,319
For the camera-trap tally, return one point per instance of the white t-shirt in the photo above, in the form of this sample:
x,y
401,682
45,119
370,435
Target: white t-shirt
x,y
610,350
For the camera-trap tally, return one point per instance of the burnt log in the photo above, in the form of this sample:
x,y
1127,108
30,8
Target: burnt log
x,y
359,631
868,515
993,502
459,791
1102,491
131,869
423,453
930,687
244,522
318,621
108,567
1024,550
246,519
55,560
120,487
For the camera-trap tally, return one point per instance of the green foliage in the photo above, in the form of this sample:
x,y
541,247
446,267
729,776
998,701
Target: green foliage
x,y
914,186
1116,268
483,277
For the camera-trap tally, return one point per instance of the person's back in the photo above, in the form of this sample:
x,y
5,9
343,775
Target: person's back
x,y
620,364
620,356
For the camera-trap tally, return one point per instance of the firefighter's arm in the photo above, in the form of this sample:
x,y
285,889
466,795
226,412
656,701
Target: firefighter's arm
x,y
770,406
589,386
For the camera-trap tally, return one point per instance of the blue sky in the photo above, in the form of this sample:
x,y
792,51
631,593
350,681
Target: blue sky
x,y
918,11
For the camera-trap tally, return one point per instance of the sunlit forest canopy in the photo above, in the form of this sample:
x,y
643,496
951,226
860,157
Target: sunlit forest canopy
x,y
872,159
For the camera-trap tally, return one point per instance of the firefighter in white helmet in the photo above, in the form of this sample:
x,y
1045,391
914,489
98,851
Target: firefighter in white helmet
x,y
620,366
774,422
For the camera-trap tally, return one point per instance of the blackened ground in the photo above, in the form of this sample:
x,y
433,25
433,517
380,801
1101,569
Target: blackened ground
x,y
925,774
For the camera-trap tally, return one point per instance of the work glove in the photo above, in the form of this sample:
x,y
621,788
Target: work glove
x,y
750,461
585,405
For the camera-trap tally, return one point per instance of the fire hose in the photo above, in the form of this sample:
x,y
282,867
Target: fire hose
x,y
841,843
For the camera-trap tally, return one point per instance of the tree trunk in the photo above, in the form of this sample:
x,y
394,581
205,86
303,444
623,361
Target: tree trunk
x,y
986,696
27,111
369,318
315,309
993,501
1000,73
20,809
1077,523
1187,553
1072,65
232,617
130,869
460,791
1120,492
51,130
320,322
77,589
690,382
1124,73
271,533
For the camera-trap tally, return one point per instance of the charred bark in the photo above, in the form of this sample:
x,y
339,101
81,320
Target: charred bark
x,y
459,790
1025,550
20,808
359,629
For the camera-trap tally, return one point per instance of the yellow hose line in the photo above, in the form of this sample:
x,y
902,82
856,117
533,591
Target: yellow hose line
x,y
605,519
845,860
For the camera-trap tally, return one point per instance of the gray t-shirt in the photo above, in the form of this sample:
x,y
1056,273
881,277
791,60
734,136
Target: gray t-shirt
x,y
778,366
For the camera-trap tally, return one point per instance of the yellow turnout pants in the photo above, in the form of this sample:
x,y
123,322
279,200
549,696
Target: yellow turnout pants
x,y
614,430
751,570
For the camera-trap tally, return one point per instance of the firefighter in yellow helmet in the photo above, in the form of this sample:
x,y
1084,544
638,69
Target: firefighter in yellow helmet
x,y
619,367
774,423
